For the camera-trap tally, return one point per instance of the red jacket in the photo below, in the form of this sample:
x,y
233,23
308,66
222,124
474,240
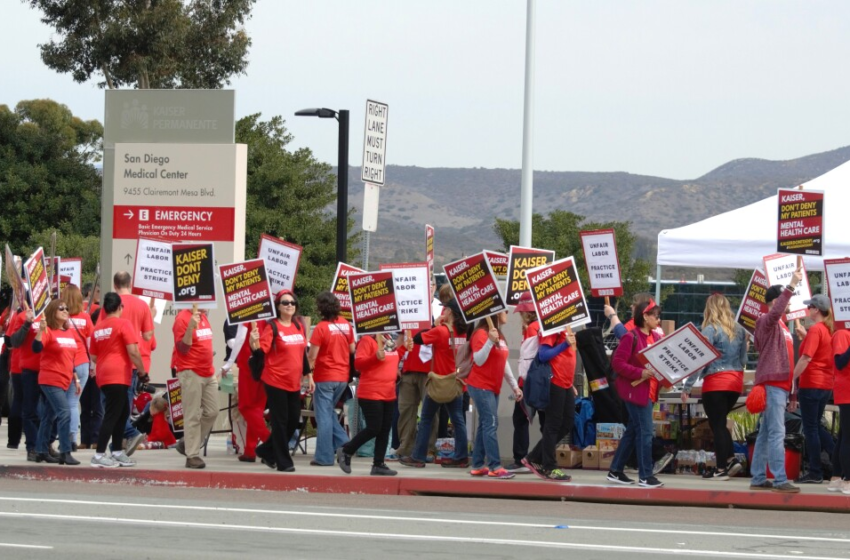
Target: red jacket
x,y
770,342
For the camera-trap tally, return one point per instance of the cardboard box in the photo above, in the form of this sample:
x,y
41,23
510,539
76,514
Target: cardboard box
x,y
590,457
607,444
606,457
608,430
568,456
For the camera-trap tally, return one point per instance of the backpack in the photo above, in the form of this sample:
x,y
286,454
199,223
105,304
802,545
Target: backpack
x,y
537,383
257,361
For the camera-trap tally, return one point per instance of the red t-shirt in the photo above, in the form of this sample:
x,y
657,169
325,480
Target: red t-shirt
x,y
16,323
200,356
490,375
820,372
724,381
161,431
57,358
413,362
841,391
443,360
789,344
533,329
377,377
284,364
82,333
564,364
29,359
109,346
139,314
333,339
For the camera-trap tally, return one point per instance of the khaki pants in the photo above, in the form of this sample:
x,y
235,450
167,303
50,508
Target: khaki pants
x,y
411,391
200,409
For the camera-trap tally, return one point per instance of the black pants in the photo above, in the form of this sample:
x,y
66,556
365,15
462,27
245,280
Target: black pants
x,y
16,425
91,412
115,417
841,453
717,405
560,417
284,417
379,420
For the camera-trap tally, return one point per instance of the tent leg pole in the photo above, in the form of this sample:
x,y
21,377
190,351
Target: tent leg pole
x,y
658,284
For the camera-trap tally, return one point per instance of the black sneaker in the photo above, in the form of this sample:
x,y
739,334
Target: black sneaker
x,y
734,467
715,474
809,479
619,478
344,460
651,482
382,470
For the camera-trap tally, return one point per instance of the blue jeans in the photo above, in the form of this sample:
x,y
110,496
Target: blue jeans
x,y
426,422
82,372
486,442
638,436
770,444
29,406
330,434
55,409
812,404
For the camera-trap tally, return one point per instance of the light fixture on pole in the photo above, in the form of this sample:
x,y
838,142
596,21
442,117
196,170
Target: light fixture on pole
x,y
342,175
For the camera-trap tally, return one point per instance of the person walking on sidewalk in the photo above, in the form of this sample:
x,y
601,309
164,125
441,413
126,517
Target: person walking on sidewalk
x,y
816,372
489,367
527,353
411,389
80,327
377,361
114,352
283,341
723,381
91,401
633,384
776,354
330,356
193,360
56,377
841,454
24,327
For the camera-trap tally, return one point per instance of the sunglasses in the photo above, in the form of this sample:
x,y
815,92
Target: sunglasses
x,y
62,308
812,306
287,302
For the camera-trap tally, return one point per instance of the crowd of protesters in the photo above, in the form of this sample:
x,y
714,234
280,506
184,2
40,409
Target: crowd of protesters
x,y
77,371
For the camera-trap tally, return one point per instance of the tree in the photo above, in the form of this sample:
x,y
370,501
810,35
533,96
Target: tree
x,y
159,44
290,195
559,232
47,180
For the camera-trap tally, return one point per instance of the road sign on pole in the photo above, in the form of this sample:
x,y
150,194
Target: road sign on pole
x,y
375,143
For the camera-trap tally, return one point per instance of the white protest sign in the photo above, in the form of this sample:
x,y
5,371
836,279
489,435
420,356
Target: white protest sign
x,y
159,307
375,143
838,279
282,260
412,294
779,268
152,275
681,354
603,266
73,268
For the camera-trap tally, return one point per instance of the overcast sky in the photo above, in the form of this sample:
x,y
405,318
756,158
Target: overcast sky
x,y
670,88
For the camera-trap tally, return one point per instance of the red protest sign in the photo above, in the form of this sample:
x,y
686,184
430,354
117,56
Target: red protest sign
x,y
475,287
52,273
800,229
429,248
753,305
520,259
558,296
35,269
175,403
498,262
603,264
374,309
339,288
247,294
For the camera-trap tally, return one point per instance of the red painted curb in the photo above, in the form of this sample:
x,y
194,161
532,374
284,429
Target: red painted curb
x,y
286,482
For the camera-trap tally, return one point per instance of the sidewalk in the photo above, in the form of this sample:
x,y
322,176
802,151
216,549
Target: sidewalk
x,y
165,468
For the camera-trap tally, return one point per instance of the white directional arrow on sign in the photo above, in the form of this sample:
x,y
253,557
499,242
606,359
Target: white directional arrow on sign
x,y
129,214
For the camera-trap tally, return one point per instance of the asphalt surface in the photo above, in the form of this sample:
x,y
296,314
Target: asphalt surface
x,y
74,520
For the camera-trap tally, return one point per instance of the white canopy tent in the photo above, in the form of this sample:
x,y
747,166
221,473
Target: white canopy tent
x,y
741,237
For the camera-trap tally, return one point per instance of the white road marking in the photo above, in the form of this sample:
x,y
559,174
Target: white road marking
x,y
37,546
409,537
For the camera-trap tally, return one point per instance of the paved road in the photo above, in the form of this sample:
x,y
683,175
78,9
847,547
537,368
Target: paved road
x,y
41,520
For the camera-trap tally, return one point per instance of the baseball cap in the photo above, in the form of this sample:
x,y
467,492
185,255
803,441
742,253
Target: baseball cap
x,y
525,304
773,292
820,301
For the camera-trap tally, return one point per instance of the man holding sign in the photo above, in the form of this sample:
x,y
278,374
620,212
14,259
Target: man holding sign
x,y
773,372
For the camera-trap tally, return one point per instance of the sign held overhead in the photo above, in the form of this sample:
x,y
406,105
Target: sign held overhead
x,y
800,230
603,265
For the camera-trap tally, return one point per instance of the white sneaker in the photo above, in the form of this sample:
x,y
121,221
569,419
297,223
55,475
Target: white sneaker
x,y
834,485
105,462
845,487
123,460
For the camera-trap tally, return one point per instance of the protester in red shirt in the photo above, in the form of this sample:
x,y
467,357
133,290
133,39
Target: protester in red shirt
x,y
489,367
91,401
24,327
283,342
377,362
16,428
115,353
331,347
841,395
81,327
57,348
194,364
816,372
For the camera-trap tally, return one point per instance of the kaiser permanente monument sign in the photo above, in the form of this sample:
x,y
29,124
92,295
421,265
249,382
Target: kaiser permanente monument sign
x,y
172,172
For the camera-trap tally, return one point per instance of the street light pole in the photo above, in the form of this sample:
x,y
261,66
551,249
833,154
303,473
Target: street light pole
x,y
527,186
342,190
